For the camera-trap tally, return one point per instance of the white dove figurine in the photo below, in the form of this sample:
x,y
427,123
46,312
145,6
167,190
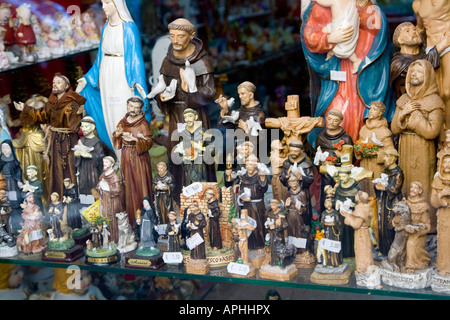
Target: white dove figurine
x,y
160,87
320,156
170,91
230,102
376,141
189,77
231,118
366,140
253,127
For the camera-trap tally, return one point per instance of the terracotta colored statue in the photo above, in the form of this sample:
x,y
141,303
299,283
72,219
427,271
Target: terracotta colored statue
x,y
278,155
244,229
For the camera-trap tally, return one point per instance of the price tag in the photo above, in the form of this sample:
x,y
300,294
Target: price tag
x,y
345,157
192,189
338,75
162,229
194,241
238,268
330,245
172,257
297,242
12,195
252,222
36,235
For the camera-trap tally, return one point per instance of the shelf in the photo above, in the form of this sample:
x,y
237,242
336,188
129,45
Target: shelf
x,y
219,274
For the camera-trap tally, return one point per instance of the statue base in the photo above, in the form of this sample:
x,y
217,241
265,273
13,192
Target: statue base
x,y
73,254
420,279
440,283
81,241
277,273
197,266
128,248
132,260
215,259
331,275
103,256
8,252
305,260
251,273
370,279
257,257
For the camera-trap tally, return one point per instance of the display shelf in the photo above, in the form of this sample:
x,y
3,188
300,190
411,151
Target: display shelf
x,y
219,274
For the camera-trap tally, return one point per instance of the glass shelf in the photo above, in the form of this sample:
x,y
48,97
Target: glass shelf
x,y
219,274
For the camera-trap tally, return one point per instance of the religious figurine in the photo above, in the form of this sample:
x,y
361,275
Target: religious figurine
x,y
163,185
276,224
118,72
215,238
110,189
71,205
253,184
433,21
11,170
278,155
249,117
89,155
299,222
346,188
8,246
335,83
55,215
418,120
389,192
25,36
173,233
374,138
148,235
298,164
360,219
134,138
331,224
188,74
440,199
191,149
196,224
62,113
31,239
97,252
328,145
5,211
408,39
32,184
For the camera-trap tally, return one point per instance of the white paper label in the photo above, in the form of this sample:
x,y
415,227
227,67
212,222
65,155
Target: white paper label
x,y
338,75
194,241
192,189
345,157
252,222
12,195
238,268
36,235
330,245
297,242
172,257
162,228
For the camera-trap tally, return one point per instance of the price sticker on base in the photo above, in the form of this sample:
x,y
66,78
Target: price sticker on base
x,y
172,257
330,245
238,268
297,242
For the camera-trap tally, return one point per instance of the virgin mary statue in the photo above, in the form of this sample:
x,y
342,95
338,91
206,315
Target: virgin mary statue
x,y
118,72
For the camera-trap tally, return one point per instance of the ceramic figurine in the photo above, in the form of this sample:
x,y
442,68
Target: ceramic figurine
x,y
191,90
11,282
191,149
110,189
253,184
299,221
127,240
32,184
331,224
89,27
71,203
215,238
4,60
196,223
80,37
367,273
432,19
440,199
279,263
249,117
5,211
419,111
64,24
98,252
30,145
55,215
408,39
298,164
31,239
374,138
52,35
62,113
134,138
294,126
8,246
328,145
173,233
64,287
25,36
370,83
389,191
12,172
89,153
163,185
6,22
117,74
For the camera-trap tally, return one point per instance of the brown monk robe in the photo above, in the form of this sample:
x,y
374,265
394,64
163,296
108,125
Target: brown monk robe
x,y
135,166
63,116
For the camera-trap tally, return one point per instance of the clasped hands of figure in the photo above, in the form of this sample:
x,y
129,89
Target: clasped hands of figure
x,y
81,84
